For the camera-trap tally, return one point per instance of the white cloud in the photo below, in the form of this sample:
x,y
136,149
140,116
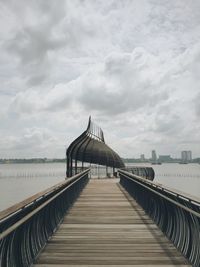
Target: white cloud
x,y
126,81
31,142
133,65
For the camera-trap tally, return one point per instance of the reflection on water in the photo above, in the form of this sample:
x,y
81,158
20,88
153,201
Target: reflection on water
x,y
19,181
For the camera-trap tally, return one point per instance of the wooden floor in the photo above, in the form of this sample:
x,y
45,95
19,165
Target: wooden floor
x,y
105,227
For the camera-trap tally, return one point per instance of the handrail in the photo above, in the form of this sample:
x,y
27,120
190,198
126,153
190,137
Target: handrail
x,y
25,231
177,215
142,171
33,199
166,189
28,201
70,183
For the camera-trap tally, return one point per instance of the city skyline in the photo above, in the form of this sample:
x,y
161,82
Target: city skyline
x,y
154,156
190,157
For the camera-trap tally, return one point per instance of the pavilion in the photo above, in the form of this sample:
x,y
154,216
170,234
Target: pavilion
x,y
90,147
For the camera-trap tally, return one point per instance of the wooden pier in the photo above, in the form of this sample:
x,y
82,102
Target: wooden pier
x,y
106,227
131,221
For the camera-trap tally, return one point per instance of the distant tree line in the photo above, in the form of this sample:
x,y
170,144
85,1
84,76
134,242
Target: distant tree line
x,y
31,160
133,160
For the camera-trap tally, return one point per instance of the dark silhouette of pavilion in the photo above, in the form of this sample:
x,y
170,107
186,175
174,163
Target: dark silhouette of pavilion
x,y
90,147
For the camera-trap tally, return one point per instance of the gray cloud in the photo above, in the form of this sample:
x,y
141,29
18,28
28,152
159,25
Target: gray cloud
x,y
32,45
169,125
59,97
122,83
132,65
197,105
39,138
35,37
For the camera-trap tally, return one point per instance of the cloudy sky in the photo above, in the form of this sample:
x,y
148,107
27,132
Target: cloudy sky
x,y
133,65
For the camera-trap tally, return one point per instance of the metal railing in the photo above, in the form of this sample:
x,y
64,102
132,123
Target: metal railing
x,y
143,171
77,170
25,231
176,214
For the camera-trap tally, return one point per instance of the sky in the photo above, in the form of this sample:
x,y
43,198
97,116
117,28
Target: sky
x,y
133,65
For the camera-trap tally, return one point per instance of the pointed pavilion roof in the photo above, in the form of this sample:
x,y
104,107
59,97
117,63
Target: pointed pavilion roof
x,y
90,147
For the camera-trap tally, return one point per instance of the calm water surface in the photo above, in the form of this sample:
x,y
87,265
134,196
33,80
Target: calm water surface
x,y
184,177
19,181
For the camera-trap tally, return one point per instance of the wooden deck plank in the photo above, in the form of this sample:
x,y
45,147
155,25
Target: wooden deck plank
x,y
105,227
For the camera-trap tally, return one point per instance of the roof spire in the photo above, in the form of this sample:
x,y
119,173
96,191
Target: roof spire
x,y
89,123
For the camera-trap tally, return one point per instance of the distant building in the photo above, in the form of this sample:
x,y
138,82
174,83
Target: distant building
x,y
153,156
142,157
186,156
189,155
165,158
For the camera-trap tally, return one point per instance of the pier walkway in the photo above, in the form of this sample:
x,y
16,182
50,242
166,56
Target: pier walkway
x,y
106,227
